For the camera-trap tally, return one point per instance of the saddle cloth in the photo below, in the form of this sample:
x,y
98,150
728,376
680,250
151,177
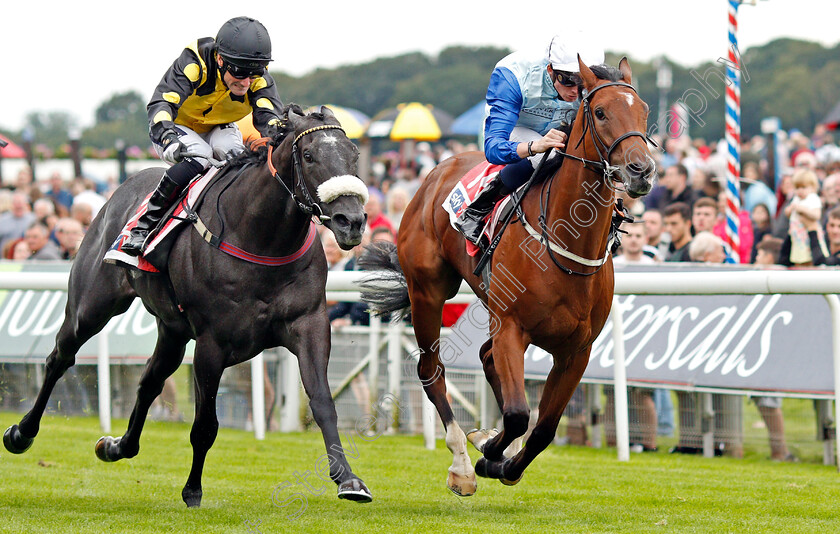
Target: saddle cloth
x,y
156,253
466,190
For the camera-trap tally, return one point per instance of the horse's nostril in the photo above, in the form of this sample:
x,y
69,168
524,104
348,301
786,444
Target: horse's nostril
x,y
341,220
640,169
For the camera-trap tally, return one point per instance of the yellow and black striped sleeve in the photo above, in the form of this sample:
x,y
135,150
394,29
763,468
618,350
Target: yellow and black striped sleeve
x,y
265,103
179,82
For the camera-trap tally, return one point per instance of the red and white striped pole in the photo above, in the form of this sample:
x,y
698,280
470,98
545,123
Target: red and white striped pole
x,y
733,140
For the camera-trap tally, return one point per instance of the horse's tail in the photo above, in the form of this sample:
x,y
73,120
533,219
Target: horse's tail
x,y
384,288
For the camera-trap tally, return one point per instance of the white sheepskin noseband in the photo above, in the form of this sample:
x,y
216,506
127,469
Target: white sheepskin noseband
x,y
342,185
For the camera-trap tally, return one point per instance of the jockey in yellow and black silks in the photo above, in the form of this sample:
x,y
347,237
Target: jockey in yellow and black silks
x,y
212,84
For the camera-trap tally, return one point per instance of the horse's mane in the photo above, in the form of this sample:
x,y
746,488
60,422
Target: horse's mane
x,y
606,72
280,132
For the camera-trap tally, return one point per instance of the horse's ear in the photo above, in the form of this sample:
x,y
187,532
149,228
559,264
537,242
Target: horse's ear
x,y
327,112
294,114
586,74
624,67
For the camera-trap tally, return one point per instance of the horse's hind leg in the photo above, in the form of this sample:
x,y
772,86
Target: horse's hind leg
x,y
559,387
88,311
168,355
427,300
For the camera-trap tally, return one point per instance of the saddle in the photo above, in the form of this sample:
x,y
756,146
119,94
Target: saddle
x,y
156,255
468,189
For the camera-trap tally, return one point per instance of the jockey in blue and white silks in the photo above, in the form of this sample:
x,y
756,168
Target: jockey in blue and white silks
x,y
521,94
531,98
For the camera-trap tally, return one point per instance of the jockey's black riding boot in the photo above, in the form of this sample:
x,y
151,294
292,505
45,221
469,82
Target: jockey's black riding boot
x,y
471,222
165,193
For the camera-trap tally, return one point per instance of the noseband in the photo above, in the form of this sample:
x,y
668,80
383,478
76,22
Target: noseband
x,y
603,165
308,204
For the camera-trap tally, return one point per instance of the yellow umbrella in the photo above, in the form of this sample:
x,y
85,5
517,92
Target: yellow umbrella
x,y
413,120
353,122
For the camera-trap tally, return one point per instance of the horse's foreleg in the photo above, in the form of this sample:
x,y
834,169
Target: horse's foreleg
x,y
208,365
310,341
559,387
486,354
508,363
168,355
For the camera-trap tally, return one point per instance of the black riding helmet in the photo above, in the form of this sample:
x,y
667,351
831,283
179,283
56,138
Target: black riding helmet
x,y
244,41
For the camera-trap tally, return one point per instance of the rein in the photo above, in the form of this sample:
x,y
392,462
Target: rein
x,y
608,171
308,206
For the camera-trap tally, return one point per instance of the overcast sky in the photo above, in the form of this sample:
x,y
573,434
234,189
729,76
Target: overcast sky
x,y
72,56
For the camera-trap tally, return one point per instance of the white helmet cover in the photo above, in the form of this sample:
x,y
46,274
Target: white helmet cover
x,y
563,50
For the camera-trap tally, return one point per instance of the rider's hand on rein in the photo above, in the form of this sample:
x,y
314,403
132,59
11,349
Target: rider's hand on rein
x,y
172,147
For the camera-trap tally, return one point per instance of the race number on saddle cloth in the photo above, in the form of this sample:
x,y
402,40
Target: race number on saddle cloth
x,y
157,250
466,190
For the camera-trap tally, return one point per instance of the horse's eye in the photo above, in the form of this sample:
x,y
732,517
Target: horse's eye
x,y
307,157
599,113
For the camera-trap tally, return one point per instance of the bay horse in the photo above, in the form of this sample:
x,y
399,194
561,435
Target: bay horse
x,y
233,308
551,287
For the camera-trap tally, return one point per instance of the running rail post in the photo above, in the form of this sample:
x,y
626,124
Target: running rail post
x,y
429,415
622,425
103,376
394,373
834,305
258,395
290,414
373,367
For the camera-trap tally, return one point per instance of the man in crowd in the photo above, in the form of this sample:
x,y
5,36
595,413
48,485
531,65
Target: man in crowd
x,y
832,234
678,224
69,233
657,239
704,215
632,246
37,236
675,182
14,222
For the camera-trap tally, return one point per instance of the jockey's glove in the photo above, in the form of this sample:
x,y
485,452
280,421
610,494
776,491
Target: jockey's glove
x,y
172,147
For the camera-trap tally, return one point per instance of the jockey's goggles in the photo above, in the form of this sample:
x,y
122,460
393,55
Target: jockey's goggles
x,y
567,79
240,72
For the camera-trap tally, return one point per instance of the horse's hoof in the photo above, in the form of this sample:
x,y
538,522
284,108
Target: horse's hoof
x,y
15,442
461,485
480,437
192,497
354,490
107,449
507,482
490,469
481,467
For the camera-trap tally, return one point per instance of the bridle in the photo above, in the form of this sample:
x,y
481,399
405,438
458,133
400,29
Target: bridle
x,y
608,172
307,204
603,165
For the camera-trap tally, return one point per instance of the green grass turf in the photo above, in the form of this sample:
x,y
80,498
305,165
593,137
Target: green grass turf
x,y
60,486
